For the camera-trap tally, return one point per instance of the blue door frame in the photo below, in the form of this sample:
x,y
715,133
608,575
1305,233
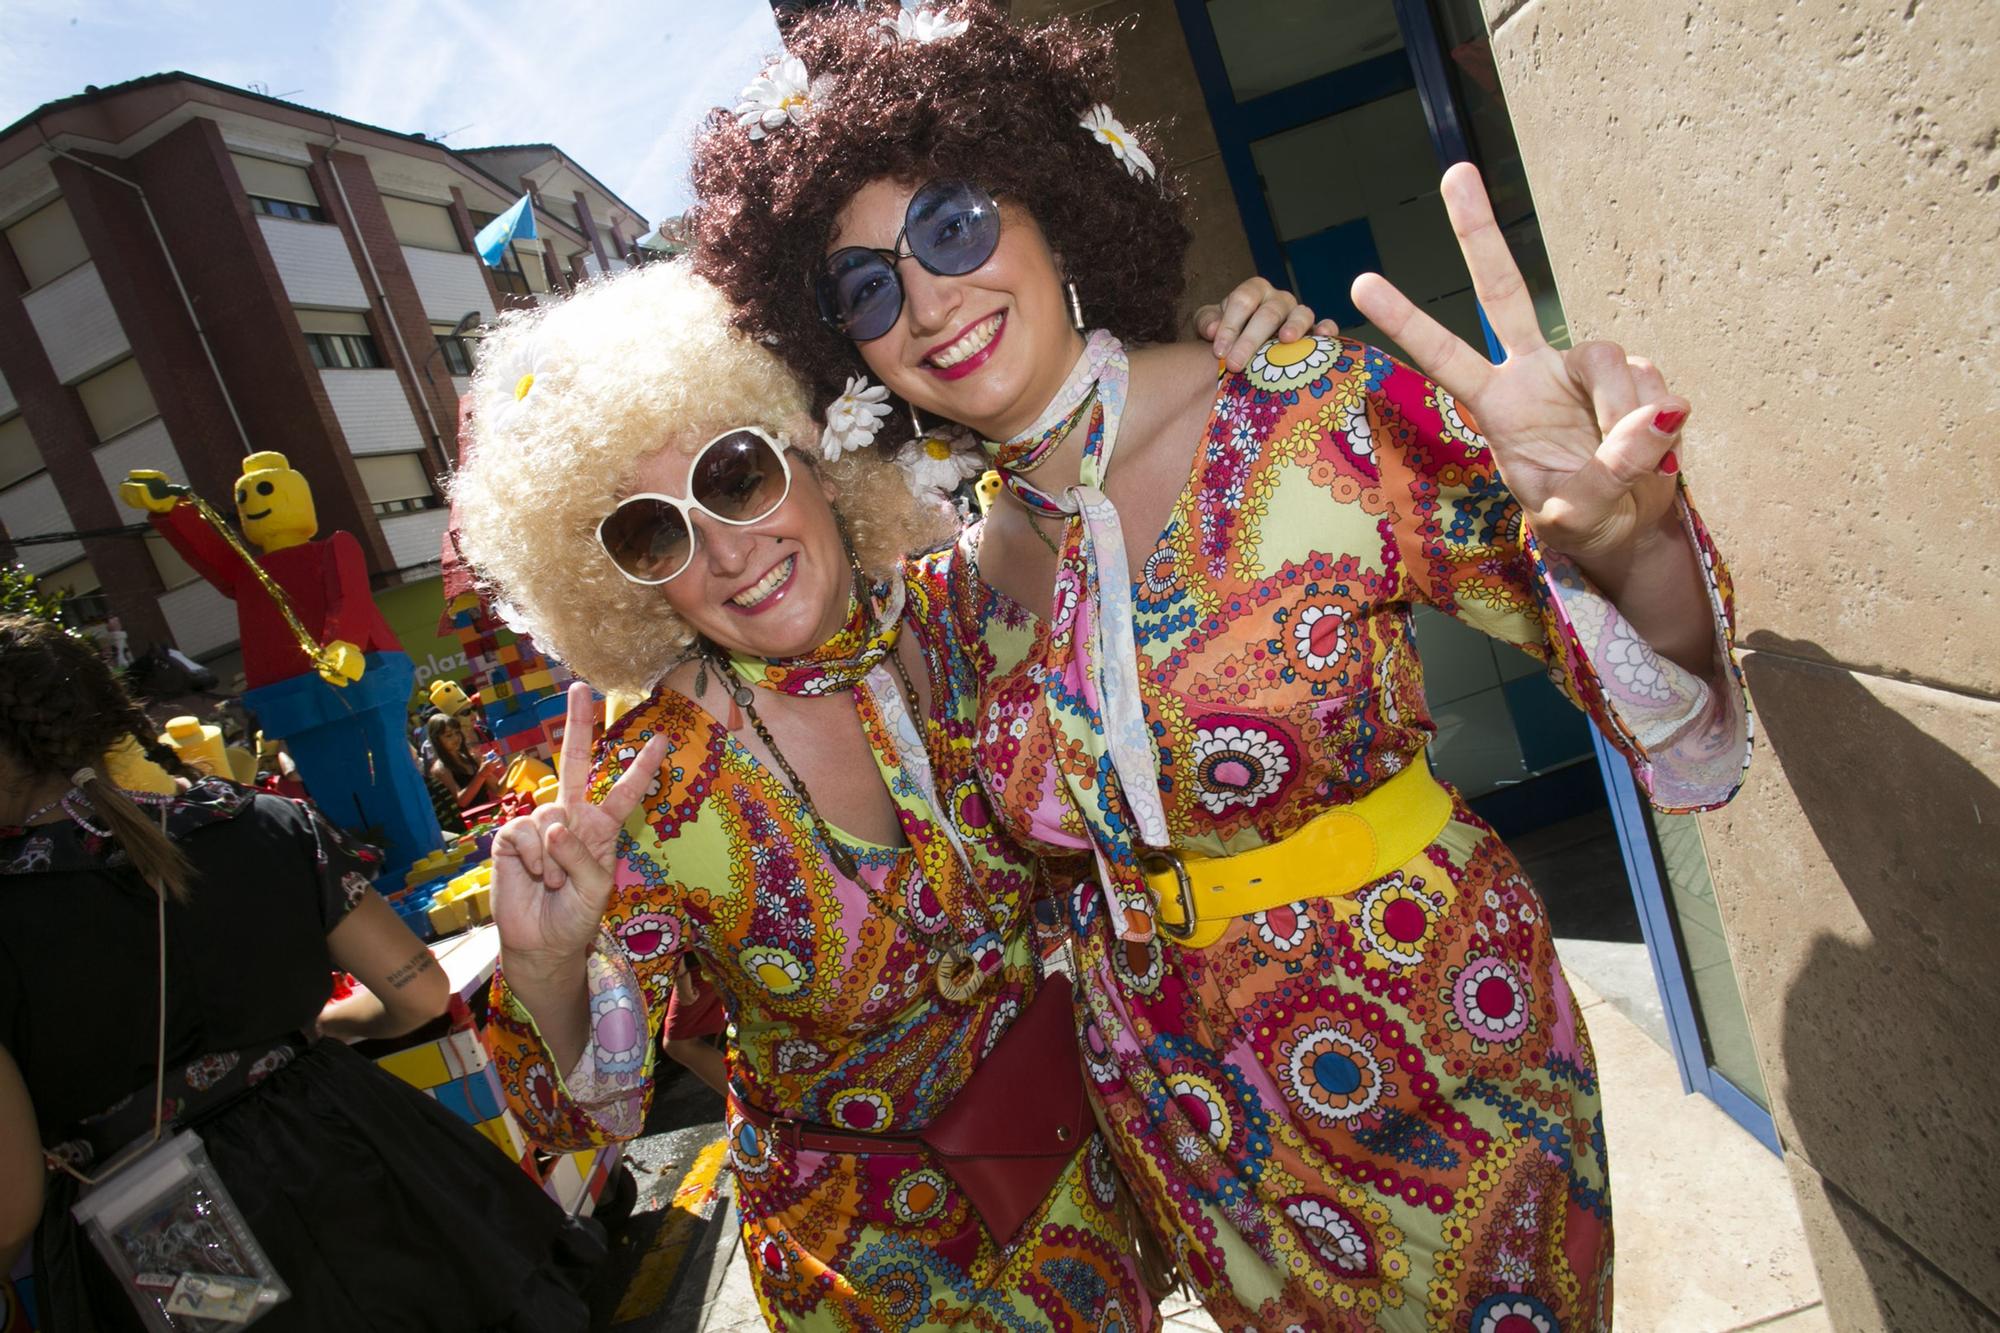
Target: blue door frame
x,y
1421,65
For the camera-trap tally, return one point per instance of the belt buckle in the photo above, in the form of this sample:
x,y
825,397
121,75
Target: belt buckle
x,y
1164,858
779,1124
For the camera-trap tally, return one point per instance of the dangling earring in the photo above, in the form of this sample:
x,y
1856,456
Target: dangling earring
x,y
916,426
1075,309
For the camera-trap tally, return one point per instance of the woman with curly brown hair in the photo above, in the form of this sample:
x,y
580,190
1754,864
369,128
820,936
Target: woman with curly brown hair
x,y
1319,1001
164,969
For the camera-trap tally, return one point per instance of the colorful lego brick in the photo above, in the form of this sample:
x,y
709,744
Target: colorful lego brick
x,y
463,1053
472,1099
600,1172
505,1134
565,1182
421,1066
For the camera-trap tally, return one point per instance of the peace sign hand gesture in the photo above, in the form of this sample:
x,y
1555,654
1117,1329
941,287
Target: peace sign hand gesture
x,y
1580,436
552,869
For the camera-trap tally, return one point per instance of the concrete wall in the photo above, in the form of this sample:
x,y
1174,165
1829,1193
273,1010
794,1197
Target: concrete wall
x,y
1794,205
1157,85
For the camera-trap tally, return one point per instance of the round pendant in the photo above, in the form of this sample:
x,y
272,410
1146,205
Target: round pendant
x,y
958,977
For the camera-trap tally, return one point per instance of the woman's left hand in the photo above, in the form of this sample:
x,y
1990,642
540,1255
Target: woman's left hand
x,y
1252,315
1584,438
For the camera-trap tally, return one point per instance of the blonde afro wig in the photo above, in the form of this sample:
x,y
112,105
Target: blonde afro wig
x,y
568,398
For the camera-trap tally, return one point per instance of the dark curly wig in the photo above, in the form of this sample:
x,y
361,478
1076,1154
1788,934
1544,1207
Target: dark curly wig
x,y
999,104
61,710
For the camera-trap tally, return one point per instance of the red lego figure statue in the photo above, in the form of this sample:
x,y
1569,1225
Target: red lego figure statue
x,y
326,581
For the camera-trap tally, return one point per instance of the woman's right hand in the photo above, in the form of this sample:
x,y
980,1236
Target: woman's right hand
x,y
552,869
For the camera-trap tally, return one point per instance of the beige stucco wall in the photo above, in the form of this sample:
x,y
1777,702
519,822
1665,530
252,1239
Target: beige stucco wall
x,y
1794,206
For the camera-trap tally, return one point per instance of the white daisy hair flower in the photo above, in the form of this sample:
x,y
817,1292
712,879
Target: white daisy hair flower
x,y
515,382
854,418
936,465
917,23
782,95
1106,129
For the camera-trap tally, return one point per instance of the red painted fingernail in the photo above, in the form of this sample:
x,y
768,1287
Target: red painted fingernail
x,y
1670,464
1670,420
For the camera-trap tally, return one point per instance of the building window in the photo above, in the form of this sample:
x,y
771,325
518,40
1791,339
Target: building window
x,y
457,352
285,208
19,458
278,189
86,603
426,226
47,244
174,572
116,399
510,278
343,351
396,483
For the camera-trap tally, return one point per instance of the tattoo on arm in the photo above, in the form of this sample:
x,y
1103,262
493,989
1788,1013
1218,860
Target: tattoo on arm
x,y
410,971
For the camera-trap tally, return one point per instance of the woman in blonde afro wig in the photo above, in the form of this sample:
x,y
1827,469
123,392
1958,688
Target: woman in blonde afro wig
x,y
567,399
793,805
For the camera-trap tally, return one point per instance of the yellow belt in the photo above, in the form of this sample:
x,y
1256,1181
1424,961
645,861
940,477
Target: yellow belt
x,y
1338,852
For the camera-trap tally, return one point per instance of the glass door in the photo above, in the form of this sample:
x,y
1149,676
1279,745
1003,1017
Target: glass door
x,y
1334,117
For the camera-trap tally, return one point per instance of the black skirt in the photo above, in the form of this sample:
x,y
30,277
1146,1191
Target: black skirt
x,y
378,1207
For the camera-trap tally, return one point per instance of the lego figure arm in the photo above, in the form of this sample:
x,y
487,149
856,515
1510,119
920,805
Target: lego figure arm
x,y
350,610
349,606
206,550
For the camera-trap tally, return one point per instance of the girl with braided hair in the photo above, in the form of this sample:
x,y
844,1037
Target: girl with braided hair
x,y
1321,1012
174,951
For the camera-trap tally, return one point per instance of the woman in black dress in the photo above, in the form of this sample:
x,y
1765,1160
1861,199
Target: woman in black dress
x,y
378,1208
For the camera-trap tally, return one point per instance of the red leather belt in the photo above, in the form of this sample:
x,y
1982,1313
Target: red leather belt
x,y
1008,1134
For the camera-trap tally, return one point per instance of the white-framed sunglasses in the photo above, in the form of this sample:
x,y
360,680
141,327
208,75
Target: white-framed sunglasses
x,y
740,477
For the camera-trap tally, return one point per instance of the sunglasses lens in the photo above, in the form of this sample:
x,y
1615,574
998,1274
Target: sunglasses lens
x,y
953,227
740,477
859,294
647,539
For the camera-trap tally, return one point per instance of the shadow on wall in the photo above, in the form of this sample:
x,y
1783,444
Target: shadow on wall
x,y
1888,1049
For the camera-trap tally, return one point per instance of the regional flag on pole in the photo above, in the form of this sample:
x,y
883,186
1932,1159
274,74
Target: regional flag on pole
x,y
516,224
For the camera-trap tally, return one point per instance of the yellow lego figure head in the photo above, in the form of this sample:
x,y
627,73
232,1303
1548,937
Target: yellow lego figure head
x,y
198,744
274,504
988,490
448,697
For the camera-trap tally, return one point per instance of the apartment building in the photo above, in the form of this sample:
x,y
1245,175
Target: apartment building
x,y
192,272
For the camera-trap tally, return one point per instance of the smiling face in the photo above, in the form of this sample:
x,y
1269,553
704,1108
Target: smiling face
x,y
274,504
777,588
988,349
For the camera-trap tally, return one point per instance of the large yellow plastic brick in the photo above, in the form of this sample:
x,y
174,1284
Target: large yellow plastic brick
x,y
495,1132
449,917
420,1066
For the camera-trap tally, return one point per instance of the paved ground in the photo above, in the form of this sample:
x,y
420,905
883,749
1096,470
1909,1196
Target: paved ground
x,y
666,1245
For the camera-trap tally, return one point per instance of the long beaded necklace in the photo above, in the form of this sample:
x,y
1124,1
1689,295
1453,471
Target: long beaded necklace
x,y
1035,526
957,974
72,803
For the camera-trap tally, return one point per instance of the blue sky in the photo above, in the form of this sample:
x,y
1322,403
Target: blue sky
x,y
619,94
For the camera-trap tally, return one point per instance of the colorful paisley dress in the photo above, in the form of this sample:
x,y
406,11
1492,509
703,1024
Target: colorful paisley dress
x,y
1377,1109
837,1022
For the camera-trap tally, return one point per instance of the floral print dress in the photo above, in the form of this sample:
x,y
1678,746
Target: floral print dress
x,y
837,1023
1375,1107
